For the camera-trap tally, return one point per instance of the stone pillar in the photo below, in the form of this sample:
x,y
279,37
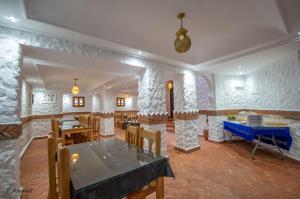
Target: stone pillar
x,y
10,123
185,112
106,114
152,103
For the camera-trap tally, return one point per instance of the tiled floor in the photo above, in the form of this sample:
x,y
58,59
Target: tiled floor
x,y
215,171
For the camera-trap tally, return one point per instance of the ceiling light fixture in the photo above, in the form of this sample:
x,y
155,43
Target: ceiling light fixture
x,y
11,19
170,85
182,42
75,88
139,52
298,33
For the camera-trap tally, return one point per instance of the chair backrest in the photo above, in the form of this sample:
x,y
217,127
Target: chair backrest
x,y
151,137
52,165
55,127
132,135
96,125
63,162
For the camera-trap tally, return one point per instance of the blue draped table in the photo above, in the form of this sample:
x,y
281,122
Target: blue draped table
x,y
278,136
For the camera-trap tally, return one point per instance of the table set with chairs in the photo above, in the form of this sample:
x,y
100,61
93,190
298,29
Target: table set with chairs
x,y
107,168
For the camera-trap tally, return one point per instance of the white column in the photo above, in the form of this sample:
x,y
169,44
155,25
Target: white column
x,y
186,112
10,109
152,103
106,114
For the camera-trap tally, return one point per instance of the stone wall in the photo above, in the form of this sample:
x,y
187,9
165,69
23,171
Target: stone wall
x,y
275,87
26,99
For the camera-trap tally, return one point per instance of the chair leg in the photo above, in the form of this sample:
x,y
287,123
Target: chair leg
x,y
160,192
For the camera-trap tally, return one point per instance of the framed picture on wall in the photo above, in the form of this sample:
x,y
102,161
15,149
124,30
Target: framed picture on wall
x,y
49,97
78,101
120,101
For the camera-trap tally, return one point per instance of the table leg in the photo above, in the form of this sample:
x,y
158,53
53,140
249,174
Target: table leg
x,y
274,141
256,147
160,188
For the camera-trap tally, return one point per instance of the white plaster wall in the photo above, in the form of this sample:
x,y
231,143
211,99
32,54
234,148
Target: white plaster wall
x,y
25,137
275,86
26,99
131,103
41,108
96,103
186,135
152,94
68,103
163,134
41,127
10,81
107,126
107,101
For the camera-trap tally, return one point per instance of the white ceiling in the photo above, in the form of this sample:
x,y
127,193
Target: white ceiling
x,y
56,71
217,28
224,34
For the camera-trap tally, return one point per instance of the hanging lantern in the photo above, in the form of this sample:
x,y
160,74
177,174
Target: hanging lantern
x,y
182,42
75,88
170,85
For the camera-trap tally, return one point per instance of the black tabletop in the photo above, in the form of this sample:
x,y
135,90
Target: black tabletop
x,y
112,168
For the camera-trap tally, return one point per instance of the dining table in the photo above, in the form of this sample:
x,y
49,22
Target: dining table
x,y
112,168
74,127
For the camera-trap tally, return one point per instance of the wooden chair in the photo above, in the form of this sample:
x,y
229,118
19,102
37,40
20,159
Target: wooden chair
x,y
52,165
63,162
55,128
132,135
96,128
158,184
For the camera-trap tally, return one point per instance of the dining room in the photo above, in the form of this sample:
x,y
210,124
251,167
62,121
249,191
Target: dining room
x,y
138,99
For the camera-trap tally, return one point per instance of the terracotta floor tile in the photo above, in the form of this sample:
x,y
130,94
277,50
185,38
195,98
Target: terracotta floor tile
x,y
215,171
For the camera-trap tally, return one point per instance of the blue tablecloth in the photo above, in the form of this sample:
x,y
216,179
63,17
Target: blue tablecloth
x,y
249,133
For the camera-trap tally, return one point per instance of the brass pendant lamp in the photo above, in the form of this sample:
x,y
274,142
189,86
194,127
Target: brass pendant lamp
x,y
182,42
75,88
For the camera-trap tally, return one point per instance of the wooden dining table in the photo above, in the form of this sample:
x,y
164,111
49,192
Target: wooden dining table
x,y
74,127
112,168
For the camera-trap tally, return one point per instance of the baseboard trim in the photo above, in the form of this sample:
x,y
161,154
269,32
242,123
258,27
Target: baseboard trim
x,y
190,150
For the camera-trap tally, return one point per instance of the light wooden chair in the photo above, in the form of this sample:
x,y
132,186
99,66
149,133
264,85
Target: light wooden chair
x,y
63,162
132,135
96,128
158,184
52,194
55,128
52,165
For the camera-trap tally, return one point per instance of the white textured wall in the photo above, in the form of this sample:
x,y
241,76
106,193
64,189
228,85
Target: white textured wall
x,y
131,103
10,81
185,95
10,111
186,135
152,94
275,86
41,108
68,103
26,99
